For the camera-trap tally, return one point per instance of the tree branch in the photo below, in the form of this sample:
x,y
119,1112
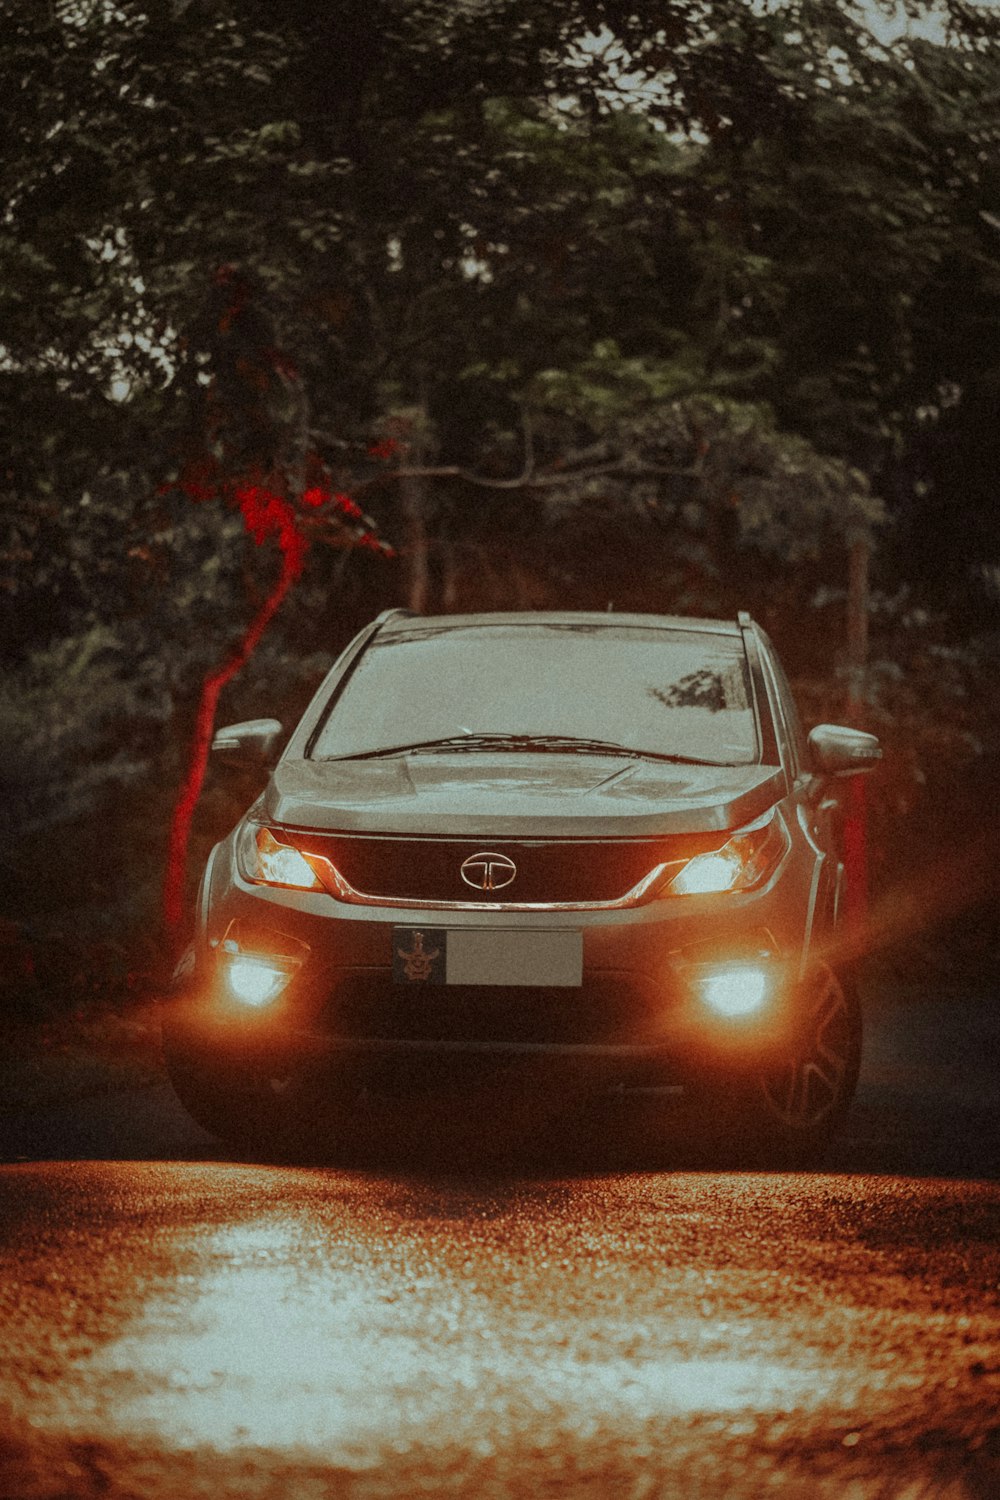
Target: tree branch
x,y
529,479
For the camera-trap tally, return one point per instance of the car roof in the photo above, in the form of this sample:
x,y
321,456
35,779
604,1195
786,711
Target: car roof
x,y
416,623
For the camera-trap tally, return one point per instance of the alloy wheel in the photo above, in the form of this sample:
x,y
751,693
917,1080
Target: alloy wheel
x,y
816,1078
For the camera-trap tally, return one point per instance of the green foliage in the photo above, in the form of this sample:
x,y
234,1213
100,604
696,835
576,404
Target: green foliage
x,y
72,719
662,302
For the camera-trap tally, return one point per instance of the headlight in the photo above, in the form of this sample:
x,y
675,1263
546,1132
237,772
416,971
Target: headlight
x,y
749,858
265,860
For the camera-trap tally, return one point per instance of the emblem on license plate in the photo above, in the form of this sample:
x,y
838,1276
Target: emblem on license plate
x,y
418,962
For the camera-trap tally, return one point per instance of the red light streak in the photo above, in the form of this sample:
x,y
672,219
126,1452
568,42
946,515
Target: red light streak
x,y
267,515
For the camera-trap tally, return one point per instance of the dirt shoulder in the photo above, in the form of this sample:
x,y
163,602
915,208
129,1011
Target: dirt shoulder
x,y
89,1051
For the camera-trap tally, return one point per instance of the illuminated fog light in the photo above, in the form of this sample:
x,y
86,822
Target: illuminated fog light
x,y
735,991
255,981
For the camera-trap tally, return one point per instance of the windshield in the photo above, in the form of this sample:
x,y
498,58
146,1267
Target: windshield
x,y
655,691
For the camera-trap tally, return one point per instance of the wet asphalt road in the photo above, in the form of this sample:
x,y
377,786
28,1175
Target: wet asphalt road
x,y
179,1323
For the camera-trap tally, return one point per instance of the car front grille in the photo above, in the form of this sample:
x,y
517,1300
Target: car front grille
x,y
547,872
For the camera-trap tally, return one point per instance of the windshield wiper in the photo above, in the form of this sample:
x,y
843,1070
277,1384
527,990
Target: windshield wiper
x,y
449,742
532,742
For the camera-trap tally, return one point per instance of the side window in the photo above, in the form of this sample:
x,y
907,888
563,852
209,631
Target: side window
x,y
787,706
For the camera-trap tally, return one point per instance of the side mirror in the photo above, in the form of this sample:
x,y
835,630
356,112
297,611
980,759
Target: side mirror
x,y
838,751
251,745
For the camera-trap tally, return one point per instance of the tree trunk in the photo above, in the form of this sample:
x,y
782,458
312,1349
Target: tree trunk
x,y
856,810
413,501
857,627
449,589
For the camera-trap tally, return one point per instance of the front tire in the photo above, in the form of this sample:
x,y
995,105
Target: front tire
x,y
233,1107
798,1102
246,1101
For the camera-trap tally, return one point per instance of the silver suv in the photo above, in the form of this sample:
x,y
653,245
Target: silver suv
x,y
546,853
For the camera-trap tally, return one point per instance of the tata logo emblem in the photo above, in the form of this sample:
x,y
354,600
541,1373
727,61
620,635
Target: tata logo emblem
x,y
488,872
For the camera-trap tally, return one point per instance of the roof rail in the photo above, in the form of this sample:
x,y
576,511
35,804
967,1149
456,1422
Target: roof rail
x,y
388,614
744,619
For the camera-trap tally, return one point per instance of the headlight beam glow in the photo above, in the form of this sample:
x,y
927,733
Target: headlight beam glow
x,y
255,980
750,858
265,860
736,990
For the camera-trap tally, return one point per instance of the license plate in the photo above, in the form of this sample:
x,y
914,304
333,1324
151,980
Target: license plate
x,y
469,955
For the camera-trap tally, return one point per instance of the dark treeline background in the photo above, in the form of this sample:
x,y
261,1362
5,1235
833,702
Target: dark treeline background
x,y
661,305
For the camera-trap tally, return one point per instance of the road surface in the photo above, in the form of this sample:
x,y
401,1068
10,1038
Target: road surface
x,y
179,1323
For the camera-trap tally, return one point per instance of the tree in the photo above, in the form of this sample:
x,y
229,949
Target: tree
x,y
608,298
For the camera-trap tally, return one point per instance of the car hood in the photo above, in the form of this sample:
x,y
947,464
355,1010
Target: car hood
x,y
518,794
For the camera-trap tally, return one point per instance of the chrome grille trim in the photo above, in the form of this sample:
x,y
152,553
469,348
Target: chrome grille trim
x,y
342,890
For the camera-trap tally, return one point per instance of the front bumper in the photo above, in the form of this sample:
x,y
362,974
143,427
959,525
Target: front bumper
x,y
638,1011
618,1026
